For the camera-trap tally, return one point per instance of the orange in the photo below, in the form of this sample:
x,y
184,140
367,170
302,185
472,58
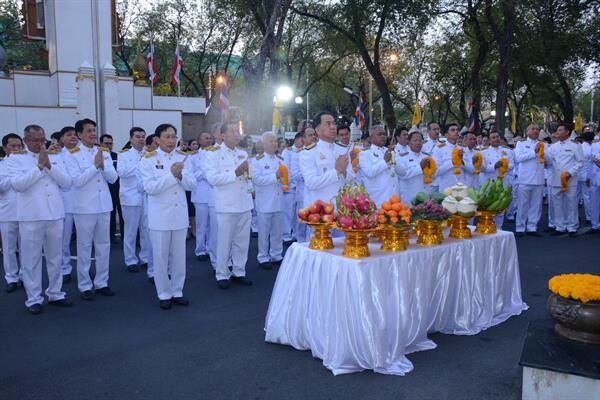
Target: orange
x,y
394,220
380,211
386,205
396,206
382,219
392,213
395,199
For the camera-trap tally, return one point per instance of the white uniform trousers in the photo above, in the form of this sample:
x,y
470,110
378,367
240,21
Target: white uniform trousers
x,y
147,256
551,221
92,228
38,236
133,217
233,240
270,237
566,209
583,197
289,210
213,233
301,228
66,244
168,254
595,206
202,229
10,238
511,211
529,210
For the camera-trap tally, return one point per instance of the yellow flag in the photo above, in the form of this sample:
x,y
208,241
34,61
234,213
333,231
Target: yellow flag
x,y
416,118
513,120
578,123
277,115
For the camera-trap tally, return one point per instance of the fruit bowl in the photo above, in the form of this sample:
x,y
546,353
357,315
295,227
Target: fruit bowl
x,y
321,237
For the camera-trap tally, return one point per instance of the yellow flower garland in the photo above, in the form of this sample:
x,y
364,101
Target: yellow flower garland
x,y
582,287
503,167
477,163
540,153
456,160
429,171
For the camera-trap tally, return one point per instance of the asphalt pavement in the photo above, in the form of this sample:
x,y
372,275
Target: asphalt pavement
x,y
126,347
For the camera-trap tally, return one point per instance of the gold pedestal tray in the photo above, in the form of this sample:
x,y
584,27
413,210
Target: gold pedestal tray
x,y
356,244
394,238
486,225
321,238
429,232
459,228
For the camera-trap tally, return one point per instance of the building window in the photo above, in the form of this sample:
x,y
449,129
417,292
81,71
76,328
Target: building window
x,y
39,14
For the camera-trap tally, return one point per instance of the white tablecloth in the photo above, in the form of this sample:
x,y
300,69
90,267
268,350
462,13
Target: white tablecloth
x,y
358,314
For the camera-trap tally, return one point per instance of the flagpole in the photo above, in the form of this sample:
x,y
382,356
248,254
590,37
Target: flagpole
x,y
370,102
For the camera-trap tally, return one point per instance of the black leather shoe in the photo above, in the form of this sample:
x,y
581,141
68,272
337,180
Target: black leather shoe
x,y
11,287
519,234
548,230
265,265
151,280
144,265
105,291
592,231
181,301
277,263
558,233
164,304
254,234
289,242
223,283
87,295
61,303
202,257
133,268
66,278
241,280
35,309
573,234
115,240
534,234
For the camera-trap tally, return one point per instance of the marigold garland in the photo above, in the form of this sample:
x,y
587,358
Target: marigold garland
x,y
429,171
540,153
477,163
564,181
582,287
355,151
503,167
284,178
457,160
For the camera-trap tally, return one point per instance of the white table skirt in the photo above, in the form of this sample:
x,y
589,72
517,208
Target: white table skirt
x,y
358,314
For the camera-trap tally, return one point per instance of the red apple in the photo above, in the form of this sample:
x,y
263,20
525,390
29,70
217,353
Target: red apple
x,y
314,218
315,208
328,208
327,218
303,214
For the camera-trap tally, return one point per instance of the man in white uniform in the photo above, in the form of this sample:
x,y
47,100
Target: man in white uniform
x,y
166,174
132,201
91,169
326,165
411,165
308,138
200,196
565,156
593,173
68,140
491,163
9,224
269,203
379,168
531,183
583,188
442,155
469,178
212,214
401,137
429,145
36,176
228,171
289,196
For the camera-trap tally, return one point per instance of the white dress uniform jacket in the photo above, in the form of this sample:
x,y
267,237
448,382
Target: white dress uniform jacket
x,y
9,225
468,176
266,185
380,177
445,176
411,175
321,180
491,155
593,174
127,166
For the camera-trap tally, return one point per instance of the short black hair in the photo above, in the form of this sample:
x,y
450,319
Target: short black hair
x,y
298,135
163,127
149,139
430,123
224,127
587,136
565,124
342,127
399,130
413,133
32,127
65,130
104,136
316,121
451,124
55,136
9,136
365,136
81,123
136,129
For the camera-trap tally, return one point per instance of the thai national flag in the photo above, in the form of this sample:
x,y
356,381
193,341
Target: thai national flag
x,y
151,63
359,115
470,117
177,67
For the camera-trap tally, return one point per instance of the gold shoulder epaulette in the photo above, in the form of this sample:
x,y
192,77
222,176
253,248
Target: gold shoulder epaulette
x,y
212,148
403,154
103,149
53,151
258,157
485,147
278,156
192,152
150,154
341,144
185,153
74,150
297,150
310,146
125,150
18,152
441,145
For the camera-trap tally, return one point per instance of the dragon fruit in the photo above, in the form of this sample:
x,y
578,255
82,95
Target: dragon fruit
x,y
355,208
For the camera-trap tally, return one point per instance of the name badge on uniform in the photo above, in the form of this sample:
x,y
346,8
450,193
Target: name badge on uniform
x,y
267,167
322,156
324,169
568,150
222,158
527,147
503,153
240,156
376,155
159,165
411,159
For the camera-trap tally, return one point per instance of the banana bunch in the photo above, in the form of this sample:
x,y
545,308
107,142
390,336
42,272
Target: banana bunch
x,y
492,196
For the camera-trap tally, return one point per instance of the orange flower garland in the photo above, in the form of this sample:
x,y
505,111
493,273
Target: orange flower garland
x,y
393,212
355,151
477,163
564,181
457,160
582,287
284,178
540,153
503,167
429,171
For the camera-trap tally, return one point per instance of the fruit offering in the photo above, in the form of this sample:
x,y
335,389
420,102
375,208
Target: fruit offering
x,y
492,196
394,212
422,197
355,208
429,210
319,212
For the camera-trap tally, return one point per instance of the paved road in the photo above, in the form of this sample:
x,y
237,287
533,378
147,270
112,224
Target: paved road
x,y
125,347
